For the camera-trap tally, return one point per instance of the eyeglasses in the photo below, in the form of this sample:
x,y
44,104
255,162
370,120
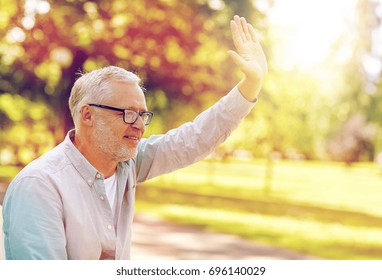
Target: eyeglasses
x,y
129,116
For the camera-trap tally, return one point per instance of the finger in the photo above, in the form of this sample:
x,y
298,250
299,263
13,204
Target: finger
x,y
239,27
252,32
244,25
237,39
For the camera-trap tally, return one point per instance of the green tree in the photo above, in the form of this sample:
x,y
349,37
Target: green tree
x,y
177,47
360,100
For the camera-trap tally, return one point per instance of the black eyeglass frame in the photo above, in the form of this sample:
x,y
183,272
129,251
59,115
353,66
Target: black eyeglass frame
x,y
136,114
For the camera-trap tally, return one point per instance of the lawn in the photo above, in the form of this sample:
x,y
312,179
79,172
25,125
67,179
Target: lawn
x,y
328,210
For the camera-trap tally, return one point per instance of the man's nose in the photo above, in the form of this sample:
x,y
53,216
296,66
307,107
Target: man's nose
x,y
139,124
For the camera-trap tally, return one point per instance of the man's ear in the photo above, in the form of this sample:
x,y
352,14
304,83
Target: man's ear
x,y
86,115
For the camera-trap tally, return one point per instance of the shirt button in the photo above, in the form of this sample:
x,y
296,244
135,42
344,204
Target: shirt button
x,y
109,227
102,197
98,175
90,181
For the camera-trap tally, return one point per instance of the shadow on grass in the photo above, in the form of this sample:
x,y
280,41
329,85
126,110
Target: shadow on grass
x,y
260,205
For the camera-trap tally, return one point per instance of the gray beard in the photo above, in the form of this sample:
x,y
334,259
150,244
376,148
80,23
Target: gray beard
x,y
109,146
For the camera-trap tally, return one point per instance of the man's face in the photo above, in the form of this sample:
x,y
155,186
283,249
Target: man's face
x,y
115,138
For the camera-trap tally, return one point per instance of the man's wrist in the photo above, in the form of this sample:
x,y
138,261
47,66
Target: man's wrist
x,y
250,89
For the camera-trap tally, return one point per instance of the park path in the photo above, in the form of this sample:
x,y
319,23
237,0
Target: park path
x,y
155,239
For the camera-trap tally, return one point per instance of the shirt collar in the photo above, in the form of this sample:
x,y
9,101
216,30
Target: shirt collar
x,y
81,164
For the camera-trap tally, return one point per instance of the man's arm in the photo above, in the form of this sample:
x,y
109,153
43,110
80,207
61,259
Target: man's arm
x,y
249,57
33,222
193,141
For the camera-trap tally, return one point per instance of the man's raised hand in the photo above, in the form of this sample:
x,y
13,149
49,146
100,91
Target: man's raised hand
x,y
249,57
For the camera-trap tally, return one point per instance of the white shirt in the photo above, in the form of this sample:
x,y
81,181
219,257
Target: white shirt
x,y
111,189
111,185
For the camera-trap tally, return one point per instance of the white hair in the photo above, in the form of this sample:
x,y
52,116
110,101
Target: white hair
x,y
95,86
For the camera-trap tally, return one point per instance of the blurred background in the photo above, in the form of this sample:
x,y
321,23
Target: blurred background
x,y
304,169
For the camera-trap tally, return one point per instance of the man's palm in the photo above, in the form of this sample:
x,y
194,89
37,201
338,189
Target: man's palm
x,y
249,56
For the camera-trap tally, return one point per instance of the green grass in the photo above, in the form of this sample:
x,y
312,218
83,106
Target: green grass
x,y
327,210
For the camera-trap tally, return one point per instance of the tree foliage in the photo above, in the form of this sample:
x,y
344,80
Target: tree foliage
x,y
178,48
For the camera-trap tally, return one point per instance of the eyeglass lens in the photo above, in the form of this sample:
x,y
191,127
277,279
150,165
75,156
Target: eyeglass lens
x,y
132,116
